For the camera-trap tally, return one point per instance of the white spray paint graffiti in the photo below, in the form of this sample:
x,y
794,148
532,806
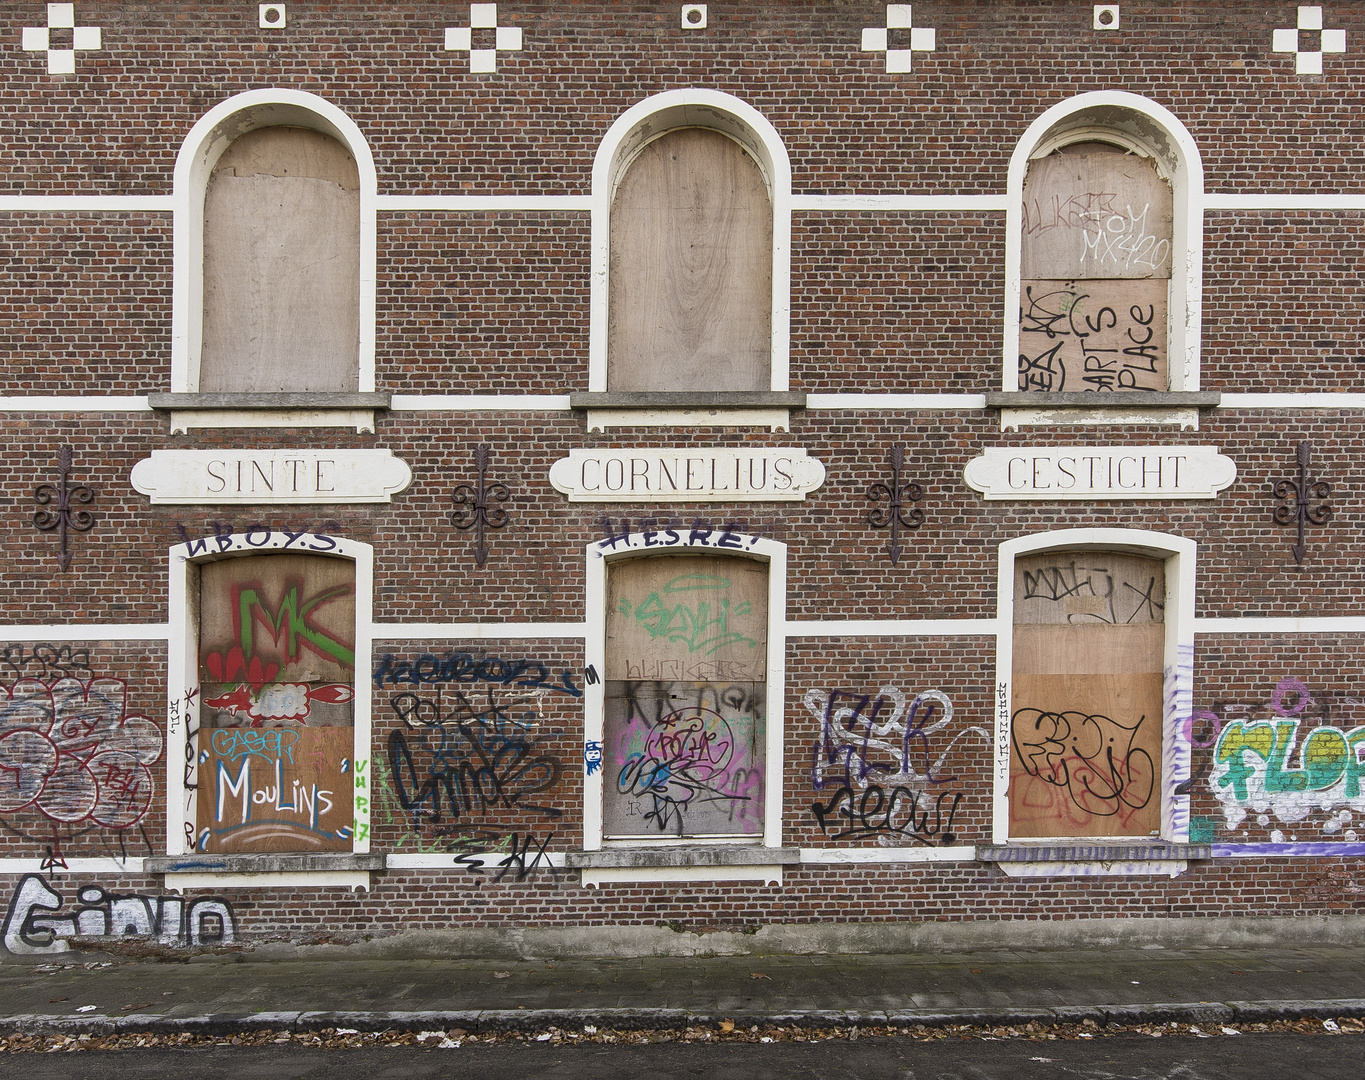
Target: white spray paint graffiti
x,y
35,926
869,747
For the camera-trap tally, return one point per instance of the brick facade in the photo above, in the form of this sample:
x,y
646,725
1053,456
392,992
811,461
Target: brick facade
x,y
896,300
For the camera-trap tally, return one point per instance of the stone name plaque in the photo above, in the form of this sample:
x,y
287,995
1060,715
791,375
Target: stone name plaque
x,y
271,476
686,474
1088,472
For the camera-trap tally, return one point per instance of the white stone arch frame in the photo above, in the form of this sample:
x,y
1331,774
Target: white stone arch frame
x,y
1178,554
640,125
644,545
182,716
1140,124
202,148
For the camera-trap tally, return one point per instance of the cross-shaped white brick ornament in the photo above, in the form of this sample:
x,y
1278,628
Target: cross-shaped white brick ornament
x,y
61,17
876,38
483,17
1308,61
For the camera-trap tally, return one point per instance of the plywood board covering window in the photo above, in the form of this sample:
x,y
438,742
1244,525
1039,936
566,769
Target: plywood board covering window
x,y
685,722
277,679
1086,728
282,266
690,298
1097,261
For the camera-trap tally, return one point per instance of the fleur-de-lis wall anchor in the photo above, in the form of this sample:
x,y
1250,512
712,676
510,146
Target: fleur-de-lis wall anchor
x,y
897,514
1300,494
62,516
472,509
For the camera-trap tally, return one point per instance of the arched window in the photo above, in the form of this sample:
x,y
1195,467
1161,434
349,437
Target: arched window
x,y
1103,262
1095,664
273,313
684,729
268,630
281,265
691,268
276,667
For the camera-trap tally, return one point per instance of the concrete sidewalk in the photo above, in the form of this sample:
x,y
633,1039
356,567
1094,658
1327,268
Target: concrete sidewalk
x,y
223,994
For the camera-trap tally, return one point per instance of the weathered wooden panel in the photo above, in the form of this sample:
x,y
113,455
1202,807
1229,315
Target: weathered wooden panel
x,y
282,265
278,619
1086,755
277,685
1096,214
275,789
1097,335
1085,587
1086,731
683,759
690,299
687,617
685,723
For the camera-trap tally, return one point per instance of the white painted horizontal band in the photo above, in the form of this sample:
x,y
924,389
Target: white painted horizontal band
x,y
86,203
483,202
1213,200
895,401
490,860
38,403
845,856
893,628
85,632
1324,624
1229,200
924,203
74,865
478,402
769,875
1293,401
477,631
42,403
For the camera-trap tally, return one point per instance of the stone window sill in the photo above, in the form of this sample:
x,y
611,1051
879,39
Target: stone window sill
x,y
1138,407
264,863
653,857
1135,852
288,410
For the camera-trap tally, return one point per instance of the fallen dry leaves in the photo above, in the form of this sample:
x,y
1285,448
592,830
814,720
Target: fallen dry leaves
x,y
722,1031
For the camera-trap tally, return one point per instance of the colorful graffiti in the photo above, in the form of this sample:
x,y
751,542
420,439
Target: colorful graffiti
x,y
275,789
35,924
685,758
1285,767
271,762
249,679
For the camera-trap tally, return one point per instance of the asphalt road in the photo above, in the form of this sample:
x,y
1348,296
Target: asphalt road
x,y
1125,1057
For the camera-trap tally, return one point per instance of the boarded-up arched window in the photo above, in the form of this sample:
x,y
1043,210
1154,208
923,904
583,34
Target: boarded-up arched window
x,y
277,714
685,730
1096,272
1087,695
282,265
690,298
